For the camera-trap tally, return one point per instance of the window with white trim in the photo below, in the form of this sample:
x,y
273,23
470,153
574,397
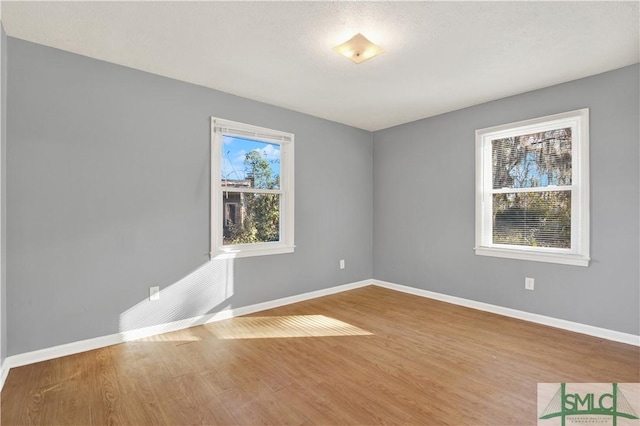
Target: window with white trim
x,y
252,190
532,189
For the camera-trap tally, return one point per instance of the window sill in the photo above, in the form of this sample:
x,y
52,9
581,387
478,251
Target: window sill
x,y
564,259
237,252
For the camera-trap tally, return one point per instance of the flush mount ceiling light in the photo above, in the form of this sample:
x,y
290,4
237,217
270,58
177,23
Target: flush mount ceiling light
x,y
358,49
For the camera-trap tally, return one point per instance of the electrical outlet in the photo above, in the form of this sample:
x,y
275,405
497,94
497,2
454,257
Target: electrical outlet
x,y
154,293
341,263
528,283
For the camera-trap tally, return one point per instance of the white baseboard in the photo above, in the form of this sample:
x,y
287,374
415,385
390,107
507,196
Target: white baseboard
x,y
4,372
126,336
590,330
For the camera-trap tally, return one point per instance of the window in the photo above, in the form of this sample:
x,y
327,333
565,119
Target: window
x,y
252,190
532,189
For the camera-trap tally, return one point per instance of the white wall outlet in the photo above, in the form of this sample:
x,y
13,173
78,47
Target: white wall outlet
x,y
528,283
154,293
341,263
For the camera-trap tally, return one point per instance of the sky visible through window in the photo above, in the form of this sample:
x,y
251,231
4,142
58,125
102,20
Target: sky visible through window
x,y
235,150
527,174
534,160
537,218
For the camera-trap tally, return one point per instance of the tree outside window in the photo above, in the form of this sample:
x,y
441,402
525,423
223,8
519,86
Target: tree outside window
x,y
252,185
532,192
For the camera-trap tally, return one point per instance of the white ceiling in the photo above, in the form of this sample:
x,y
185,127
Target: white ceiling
x,y
440,56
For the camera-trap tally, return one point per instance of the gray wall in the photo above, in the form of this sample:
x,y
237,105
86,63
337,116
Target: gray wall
x,y
3,194
424,207
108,194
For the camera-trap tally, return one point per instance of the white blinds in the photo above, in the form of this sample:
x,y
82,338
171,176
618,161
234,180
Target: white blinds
x,y
238,129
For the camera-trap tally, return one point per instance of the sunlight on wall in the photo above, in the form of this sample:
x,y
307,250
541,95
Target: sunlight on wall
x,y
205,290
283,326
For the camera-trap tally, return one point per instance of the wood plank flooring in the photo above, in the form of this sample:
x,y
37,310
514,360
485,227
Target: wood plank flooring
x,y
366,356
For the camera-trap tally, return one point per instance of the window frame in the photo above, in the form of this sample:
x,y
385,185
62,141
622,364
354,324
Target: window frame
x,y
578,253
219,128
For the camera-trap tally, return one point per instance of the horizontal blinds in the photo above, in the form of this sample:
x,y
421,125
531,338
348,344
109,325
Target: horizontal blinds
x,y
532,160
252,134
535,219
532,189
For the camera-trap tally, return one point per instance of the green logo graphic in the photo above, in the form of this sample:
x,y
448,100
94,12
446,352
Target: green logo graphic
x,y
612,404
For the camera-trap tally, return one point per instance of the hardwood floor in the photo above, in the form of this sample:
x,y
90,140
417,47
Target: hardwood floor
x,y
366,356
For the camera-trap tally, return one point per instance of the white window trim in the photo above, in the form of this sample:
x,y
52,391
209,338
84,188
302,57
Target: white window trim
x,y
286,192
578,254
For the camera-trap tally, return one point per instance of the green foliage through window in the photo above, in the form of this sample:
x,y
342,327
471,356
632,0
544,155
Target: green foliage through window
x,y
536,218
255,217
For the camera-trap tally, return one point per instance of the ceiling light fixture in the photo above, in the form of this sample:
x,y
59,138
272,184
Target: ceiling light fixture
x,y
358,49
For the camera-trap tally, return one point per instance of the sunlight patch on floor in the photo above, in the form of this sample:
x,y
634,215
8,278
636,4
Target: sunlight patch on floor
x,y
176,336
284,327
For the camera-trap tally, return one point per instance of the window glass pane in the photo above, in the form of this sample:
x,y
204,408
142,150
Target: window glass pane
x,y
536,219
533,160
250,218
248,163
